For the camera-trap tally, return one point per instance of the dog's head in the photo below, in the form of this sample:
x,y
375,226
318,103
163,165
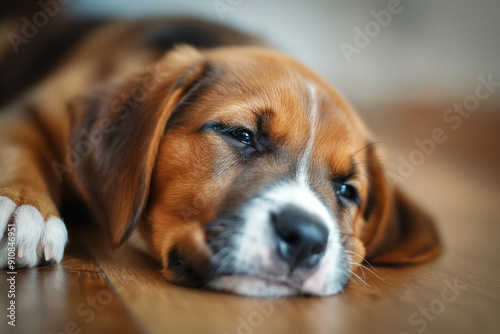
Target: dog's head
x,y
246,172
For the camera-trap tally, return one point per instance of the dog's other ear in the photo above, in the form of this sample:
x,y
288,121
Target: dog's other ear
x,y
115,134
396,230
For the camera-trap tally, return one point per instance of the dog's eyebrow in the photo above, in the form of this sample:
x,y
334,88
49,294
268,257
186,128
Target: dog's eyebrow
x,y
355,163
353,170
345,176
260,122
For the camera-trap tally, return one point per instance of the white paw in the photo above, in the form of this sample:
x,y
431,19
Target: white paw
x,y
35,240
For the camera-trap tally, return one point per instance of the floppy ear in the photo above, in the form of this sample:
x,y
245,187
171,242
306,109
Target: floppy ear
x,y
115,134
397,231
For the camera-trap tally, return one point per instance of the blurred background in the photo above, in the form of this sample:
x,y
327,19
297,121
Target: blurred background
x,y
428,48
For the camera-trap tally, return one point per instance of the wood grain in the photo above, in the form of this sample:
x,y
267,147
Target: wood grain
x,y
71,297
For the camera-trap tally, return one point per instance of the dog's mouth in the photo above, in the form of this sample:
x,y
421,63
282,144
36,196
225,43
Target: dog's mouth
x,y
256,285
256,282
253,277
259,282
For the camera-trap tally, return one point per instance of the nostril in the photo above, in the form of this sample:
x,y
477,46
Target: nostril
x,y
291,238
317,249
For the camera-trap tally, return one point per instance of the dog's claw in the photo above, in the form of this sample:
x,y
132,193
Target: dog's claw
x,y
47,253
21,251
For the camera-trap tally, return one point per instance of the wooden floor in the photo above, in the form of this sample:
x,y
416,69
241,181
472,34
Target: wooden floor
x,y
100,290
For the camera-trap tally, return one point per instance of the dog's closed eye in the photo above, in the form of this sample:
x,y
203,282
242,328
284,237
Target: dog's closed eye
x,y
245,141
239,136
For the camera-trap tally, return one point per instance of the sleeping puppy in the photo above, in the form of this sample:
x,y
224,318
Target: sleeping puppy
x,y
242,169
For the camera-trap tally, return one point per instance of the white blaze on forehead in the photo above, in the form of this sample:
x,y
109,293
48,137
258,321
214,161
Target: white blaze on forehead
x,y
305,160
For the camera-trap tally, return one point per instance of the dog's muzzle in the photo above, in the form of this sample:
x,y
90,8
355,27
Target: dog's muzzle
x,y
283,241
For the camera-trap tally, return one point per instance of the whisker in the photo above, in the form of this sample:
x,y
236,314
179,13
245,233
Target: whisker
x,y
355,275
362,271
365,267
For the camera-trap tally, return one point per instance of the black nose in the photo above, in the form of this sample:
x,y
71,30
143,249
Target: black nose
x,y
302,237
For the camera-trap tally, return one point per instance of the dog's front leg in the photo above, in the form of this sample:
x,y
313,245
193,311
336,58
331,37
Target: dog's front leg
x,y
29,219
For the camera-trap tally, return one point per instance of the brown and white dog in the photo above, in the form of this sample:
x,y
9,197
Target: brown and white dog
x,y
241,168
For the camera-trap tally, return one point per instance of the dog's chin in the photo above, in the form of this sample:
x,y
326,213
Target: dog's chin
x,y
255,286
